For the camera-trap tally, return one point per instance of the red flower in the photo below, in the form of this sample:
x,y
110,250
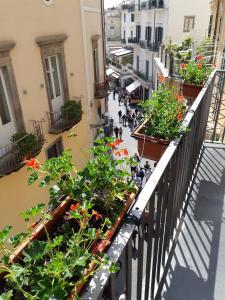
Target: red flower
x,y
161,78
118,142
199,57
96,214
180,115
183,66
33,225
200,65
114,144
33,163
121,152
74,207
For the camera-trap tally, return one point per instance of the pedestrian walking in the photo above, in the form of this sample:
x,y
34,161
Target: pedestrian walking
x,y
141,174
124,120
137,158
136,112
116,131
120,115
114,94
147,166
119,99
125,102
120,132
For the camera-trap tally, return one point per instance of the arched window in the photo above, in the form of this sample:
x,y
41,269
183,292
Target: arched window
x,y
148,33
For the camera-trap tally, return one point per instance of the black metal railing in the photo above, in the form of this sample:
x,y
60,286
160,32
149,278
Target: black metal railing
x,y
133,40
154,46
141,75
12,156
62,120
129,7
157,214
101,90
123,41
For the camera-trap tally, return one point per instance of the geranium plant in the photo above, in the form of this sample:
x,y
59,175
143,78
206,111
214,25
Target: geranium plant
x,y
164,113
195,72
60,261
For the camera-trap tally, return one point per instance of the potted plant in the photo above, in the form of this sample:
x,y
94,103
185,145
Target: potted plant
x,y
163,114
71,112
193,75
25,144
56,256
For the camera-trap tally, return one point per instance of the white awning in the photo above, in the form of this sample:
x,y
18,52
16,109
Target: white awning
x,y
133,86
117,51
116,75
124,52
109,72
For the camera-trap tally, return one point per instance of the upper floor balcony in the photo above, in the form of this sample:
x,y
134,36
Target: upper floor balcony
x,y
141,75
101,90
177,221
151,4
23,146
129,7
64,119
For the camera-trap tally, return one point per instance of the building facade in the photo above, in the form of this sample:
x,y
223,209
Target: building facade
x,y
54,54
113,24
148,24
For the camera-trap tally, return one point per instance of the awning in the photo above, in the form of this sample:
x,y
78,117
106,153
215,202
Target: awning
x,y
109,72
117,50
124,52
133,86
116,75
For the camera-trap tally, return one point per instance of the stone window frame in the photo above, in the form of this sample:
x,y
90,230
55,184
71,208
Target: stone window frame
x,y
187,27
54,45
10,80
96,65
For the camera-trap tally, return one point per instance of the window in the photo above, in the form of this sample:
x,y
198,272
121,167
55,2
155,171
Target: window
x,y
189,23
124,34
138,33
158,34
53,76
148,33
55,149
132,34
124,18
132,17
137,63
147,69
4,105
96,64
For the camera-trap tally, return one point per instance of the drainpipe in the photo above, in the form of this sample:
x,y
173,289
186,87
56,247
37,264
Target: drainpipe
x,y
104,45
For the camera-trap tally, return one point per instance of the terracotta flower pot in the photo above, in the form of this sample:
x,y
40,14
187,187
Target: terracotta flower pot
x,y
148,146
191,91
57,215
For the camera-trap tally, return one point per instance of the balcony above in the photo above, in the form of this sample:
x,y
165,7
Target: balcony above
x,y
129,7
101,90
152,4
133,40
69,115
23,146
142,76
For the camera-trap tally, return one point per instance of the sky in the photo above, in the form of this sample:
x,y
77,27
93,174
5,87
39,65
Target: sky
x,y
110,3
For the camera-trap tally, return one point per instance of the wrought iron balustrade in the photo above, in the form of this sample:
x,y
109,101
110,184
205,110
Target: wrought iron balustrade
x,y
101,90
156,217
12,156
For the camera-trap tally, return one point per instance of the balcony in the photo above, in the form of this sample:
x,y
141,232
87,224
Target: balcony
x,y
101,90
69,115
154,47
129,7
177,222
144,44
24,146
141,75
133,40
123,41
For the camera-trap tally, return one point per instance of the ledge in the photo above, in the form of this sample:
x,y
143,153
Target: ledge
x,y
51,39
95,37
7,45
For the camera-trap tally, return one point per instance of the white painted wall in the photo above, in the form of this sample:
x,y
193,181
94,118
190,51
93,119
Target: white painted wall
x,y
180,8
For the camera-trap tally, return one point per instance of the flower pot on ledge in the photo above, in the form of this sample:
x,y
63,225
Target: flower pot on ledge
x,y
149,147
57,216
190,91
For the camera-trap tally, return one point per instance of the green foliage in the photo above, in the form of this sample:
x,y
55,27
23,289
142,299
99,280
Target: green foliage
x,y
164,114
6,296
25,143
195,72
72,111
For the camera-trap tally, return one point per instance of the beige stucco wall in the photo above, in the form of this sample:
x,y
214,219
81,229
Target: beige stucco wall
x,y
23,21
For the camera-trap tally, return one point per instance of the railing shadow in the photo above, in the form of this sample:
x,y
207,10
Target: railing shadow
x,y
193,271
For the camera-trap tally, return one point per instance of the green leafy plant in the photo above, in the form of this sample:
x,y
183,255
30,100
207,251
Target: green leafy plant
x,y
163,114
196,71
25,143
72,111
